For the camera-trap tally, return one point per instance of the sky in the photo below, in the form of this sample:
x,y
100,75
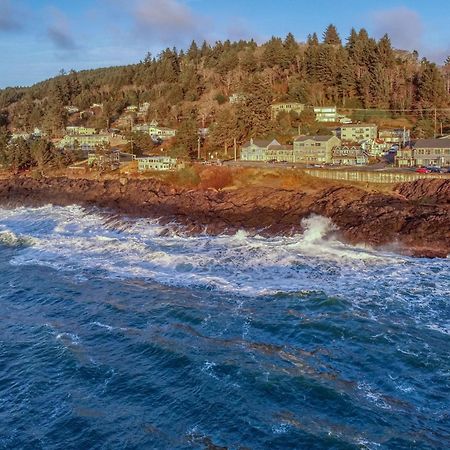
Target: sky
x,y
38,38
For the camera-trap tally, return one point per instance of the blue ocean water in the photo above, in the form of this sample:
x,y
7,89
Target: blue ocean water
x,y
123,334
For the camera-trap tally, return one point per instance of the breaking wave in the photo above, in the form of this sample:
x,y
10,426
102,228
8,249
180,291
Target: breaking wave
x,y
118,331
81,242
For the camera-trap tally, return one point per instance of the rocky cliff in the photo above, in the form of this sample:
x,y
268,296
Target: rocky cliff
x,y
414,218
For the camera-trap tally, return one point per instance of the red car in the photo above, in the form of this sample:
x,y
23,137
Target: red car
x,y
423,170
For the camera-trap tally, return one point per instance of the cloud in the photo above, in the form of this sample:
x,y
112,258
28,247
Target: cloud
x,y
59,31
167,21
403,25
8,17
240,29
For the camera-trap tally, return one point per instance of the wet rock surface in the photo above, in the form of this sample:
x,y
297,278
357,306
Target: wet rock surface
x,y
414,218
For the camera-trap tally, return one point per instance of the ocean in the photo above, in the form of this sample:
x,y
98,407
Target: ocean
x,y
120,333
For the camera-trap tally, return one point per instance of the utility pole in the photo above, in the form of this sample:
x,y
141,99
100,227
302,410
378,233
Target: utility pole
x,y
235,149
198,148
435,119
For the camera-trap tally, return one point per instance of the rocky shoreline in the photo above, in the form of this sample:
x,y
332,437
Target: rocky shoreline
x,y
414,218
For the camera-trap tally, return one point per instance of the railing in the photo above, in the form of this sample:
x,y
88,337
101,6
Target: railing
x,y
371,176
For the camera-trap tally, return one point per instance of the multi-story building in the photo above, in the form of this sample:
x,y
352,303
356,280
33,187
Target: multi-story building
x,y
154,130
397,136
84,142
358,132
85,131
276,108
350,154
280,153
256,149
375,147
405,157
326,113
432,152
161,163
315,149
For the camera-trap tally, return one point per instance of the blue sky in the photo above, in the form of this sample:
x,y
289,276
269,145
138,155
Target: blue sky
x,y
40,37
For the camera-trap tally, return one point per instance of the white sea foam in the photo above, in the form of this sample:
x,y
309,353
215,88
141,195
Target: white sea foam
x,y
80,243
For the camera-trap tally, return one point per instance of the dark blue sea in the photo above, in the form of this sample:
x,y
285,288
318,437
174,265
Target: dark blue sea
x,y
121,333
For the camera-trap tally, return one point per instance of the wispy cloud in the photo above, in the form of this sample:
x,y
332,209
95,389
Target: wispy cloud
x,y
404,26
408,31
59,31
167,21
9,17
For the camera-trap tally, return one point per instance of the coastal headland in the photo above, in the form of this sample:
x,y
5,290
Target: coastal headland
x,y
411,218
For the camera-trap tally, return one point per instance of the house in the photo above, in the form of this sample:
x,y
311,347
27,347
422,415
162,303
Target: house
x,y
343,119
85,131
397,136
276,108
71,109
405,157
143,110
326,113
358,132
237,98
375,147
108,159
161,132
154,130
85,142
432,152
37,133
350,155
131,108
161,163
280,153
256,149
315,149
20,135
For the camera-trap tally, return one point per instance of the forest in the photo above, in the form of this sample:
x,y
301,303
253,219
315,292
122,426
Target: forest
x,y
191,88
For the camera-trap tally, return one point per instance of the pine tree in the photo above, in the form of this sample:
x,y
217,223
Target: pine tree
x,y
193,53
291,50
331,36
385,52
431,90
311,57
186,140
254,112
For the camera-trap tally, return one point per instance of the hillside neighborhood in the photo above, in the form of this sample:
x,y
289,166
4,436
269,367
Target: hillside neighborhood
x,y
343,143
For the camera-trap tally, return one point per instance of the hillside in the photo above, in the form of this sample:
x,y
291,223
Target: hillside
x,y
195,85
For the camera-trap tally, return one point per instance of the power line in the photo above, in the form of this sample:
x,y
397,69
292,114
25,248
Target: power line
x,y
396,110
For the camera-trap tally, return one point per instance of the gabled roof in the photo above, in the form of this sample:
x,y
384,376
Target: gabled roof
x,y
261,143
313,138
432,143
280,147
358,125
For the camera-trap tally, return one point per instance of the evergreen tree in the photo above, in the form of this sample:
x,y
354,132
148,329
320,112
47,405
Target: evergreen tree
x,y
42,154
431,90
331,36
254,112
186,140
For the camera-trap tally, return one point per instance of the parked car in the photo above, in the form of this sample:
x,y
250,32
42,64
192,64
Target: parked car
x,y
423,170
434,169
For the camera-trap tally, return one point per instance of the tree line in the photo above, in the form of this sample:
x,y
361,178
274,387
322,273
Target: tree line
x,y
193,85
